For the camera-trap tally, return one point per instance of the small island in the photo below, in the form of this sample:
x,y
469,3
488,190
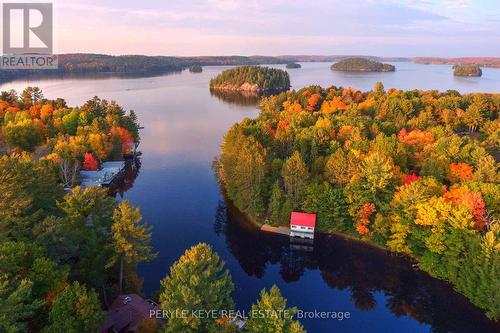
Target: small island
x,y
254,79
467,70
361,65
195,69
293,65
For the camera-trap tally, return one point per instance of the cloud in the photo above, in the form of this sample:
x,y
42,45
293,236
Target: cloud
x,y
237,27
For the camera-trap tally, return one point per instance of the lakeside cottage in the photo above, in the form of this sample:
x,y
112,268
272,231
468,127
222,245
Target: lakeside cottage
x,y
302,225
128,312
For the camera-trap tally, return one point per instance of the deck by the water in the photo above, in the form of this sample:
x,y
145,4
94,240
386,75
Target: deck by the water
x,y
277,230
109,171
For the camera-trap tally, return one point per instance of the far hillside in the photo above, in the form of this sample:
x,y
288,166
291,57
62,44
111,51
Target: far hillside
x,y
362,65
254,79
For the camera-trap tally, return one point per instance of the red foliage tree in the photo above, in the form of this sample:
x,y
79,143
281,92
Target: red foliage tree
x,y
408,179
90,163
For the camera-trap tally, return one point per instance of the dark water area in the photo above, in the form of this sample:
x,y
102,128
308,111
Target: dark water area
x,y
178,195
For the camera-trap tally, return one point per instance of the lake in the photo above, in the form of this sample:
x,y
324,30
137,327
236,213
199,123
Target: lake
x,y
179,196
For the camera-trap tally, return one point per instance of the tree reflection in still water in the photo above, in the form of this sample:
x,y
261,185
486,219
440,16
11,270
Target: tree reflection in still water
x,y
361,269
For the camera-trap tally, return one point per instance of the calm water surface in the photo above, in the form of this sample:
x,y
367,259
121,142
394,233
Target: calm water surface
x,y
179,196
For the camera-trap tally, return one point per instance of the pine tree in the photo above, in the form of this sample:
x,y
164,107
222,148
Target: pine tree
x,y
130,240
16,304
197,281
275,204
295,177
270,314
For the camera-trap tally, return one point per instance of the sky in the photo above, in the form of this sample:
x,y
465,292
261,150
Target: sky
x,y
447,28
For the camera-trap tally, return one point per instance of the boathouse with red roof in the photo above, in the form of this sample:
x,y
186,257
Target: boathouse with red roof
x,y
302,225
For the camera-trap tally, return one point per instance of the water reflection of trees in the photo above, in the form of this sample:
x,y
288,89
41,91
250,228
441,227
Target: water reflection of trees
x,y
349,265
126,181
242,98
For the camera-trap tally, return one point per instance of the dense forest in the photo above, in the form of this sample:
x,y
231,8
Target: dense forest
x,y
293,65
412,171
60,249
252,78
195,69
66,252
467,70
362,65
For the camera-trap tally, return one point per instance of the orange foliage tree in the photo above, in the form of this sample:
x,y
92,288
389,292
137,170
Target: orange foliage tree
x,y
313,102
363,221
334,105
460,172
462,196
416,138
126,138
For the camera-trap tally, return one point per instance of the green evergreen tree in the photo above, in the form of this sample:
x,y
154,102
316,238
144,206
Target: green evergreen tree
x,y
130,239
28,192
197,281
17,305
275,205
270,314
295,177
75,310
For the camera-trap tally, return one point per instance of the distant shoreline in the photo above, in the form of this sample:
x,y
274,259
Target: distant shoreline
x,y
85,63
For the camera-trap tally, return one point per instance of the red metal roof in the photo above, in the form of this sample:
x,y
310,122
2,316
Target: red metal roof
x,y
303,219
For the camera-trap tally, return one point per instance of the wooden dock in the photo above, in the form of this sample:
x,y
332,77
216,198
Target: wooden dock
x,y
277,230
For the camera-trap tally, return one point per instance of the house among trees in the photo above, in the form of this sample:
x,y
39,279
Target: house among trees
x,y
131,313
302,225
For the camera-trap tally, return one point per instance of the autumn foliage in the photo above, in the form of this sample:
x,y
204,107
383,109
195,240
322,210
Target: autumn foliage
x,y
126,138
460,172
416,138
312,102
363,215
90,163
461,196
408,179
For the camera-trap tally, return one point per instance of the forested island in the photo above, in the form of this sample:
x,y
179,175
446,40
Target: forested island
x,y
67,252
195,69
254,79
293,65
467,70
361,65
411,171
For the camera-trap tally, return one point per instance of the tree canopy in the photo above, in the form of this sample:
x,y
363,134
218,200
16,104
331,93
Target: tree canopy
x,y
254,78
467,70
361,65
413,171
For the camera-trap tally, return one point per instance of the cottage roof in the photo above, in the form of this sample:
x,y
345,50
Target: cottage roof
x,y
303,219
